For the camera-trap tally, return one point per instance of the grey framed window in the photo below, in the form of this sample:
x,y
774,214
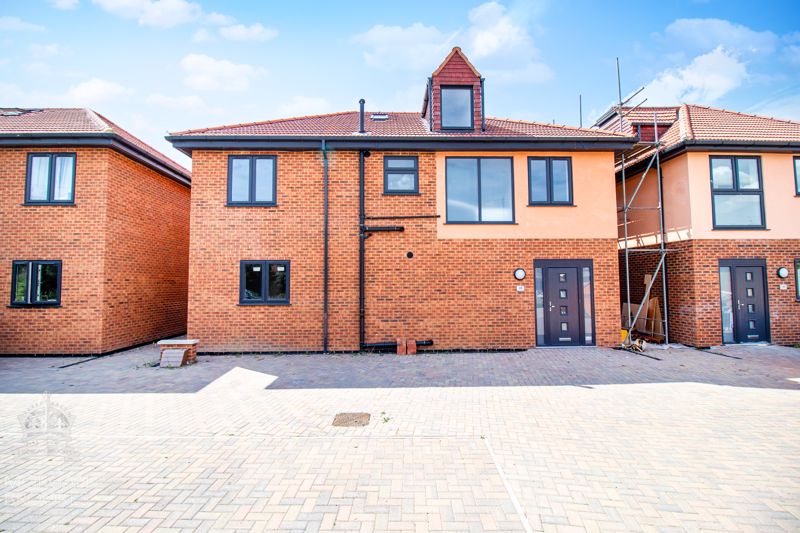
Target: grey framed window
x,y
252,180
50,178
400,175
797,279
35,283
264,283
479,190
550,181
737,194
457,107
797,175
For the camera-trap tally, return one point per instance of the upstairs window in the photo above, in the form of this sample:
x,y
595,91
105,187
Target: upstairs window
x,y
35,283
797,175
50,179
252,180
400,175
549,181
479,190
457,108
737,195
264,283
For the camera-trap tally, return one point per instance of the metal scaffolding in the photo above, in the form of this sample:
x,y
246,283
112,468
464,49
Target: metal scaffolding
x,y
653,164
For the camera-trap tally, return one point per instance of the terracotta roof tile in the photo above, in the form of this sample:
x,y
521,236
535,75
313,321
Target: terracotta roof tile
x,y
399,124
701,123
74,120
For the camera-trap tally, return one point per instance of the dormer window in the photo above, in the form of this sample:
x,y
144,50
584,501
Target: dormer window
x,y
457,108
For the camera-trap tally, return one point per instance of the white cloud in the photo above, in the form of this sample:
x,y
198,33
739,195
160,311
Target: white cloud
x,y
202,36
95,91
706,79
38,67
412,47
205,73
496,36
219,19
64,4
304,105
703,35
44,50
157,13
791,54
255,32
786,107
500,39
17,24
189,103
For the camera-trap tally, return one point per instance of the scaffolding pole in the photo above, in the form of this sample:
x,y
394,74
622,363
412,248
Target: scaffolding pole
x,y
627,205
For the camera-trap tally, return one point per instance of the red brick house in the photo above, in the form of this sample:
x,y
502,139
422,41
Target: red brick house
x,y
444,227
94,227
731,189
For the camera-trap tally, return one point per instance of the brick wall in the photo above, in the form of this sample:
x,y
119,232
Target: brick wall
x,y
146,255
458,293
456,72
694,292
88,239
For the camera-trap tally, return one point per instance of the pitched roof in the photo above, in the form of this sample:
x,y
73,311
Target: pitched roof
x,y
397,125
79,122
634,116
695,123
454,51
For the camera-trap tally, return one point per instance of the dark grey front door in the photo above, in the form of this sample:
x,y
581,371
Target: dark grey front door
x,y
562,306
750,305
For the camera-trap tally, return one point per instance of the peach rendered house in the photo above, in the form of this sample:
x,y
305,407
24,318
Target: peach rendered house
x,y
731,190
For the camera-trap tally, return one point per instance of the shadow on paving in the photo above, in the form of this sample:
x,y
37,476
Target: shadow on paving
x,y
133,371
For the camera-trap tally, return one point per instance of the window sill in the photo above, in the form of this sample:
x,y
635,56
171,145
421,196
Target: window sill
x,y
740,228
264,304
398,193
481,224
458,130
251,204
551,205
33,306
62,204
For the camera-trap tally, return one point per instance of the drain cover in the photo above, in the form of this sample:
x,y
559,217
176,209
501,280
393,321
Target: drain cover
x,y
351,420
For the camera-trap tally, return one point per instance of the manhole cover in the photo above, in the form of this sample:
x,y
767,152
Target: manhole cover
x,y
351,420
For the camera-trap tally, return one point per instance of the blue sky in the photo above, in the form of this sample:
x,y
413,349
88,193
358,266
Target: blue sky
x,y
163,65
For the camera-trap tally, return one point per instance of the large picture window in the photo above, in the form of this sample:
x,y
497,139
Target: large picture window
x,y
479,190
252,180
549,181
736,192
35,283
50,179
264,283
457,108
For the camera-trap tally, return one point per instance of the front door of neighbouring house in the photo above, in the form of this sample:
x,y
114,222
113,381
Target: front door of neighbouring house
x,y
743,301
564,314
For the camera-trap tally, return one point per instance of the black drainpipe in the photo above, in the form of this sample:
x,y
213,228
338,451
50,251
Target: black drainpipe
x,y
483,107
325,249
361,236
361,117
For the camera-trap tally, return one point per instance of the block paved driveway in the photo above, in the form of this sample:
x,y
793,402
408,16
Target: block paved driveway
x,y
543,440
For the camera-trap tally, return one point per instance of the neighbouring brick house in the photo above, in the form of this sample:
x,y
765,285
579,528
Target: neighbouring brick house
x,y
731,189
352,230
94,235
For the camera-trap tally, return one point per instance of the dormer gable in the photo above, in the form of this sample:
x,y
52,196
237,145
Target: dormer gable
x,y
454,96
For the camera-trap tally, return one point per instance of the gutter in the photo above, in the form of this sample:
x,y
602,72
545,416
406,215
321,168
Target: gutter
x,y
418,143
696,145
99,140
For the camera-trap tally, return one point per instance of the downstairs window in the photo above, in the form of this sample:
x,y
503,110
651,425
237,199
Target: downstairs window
x,y
264,283
35,283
